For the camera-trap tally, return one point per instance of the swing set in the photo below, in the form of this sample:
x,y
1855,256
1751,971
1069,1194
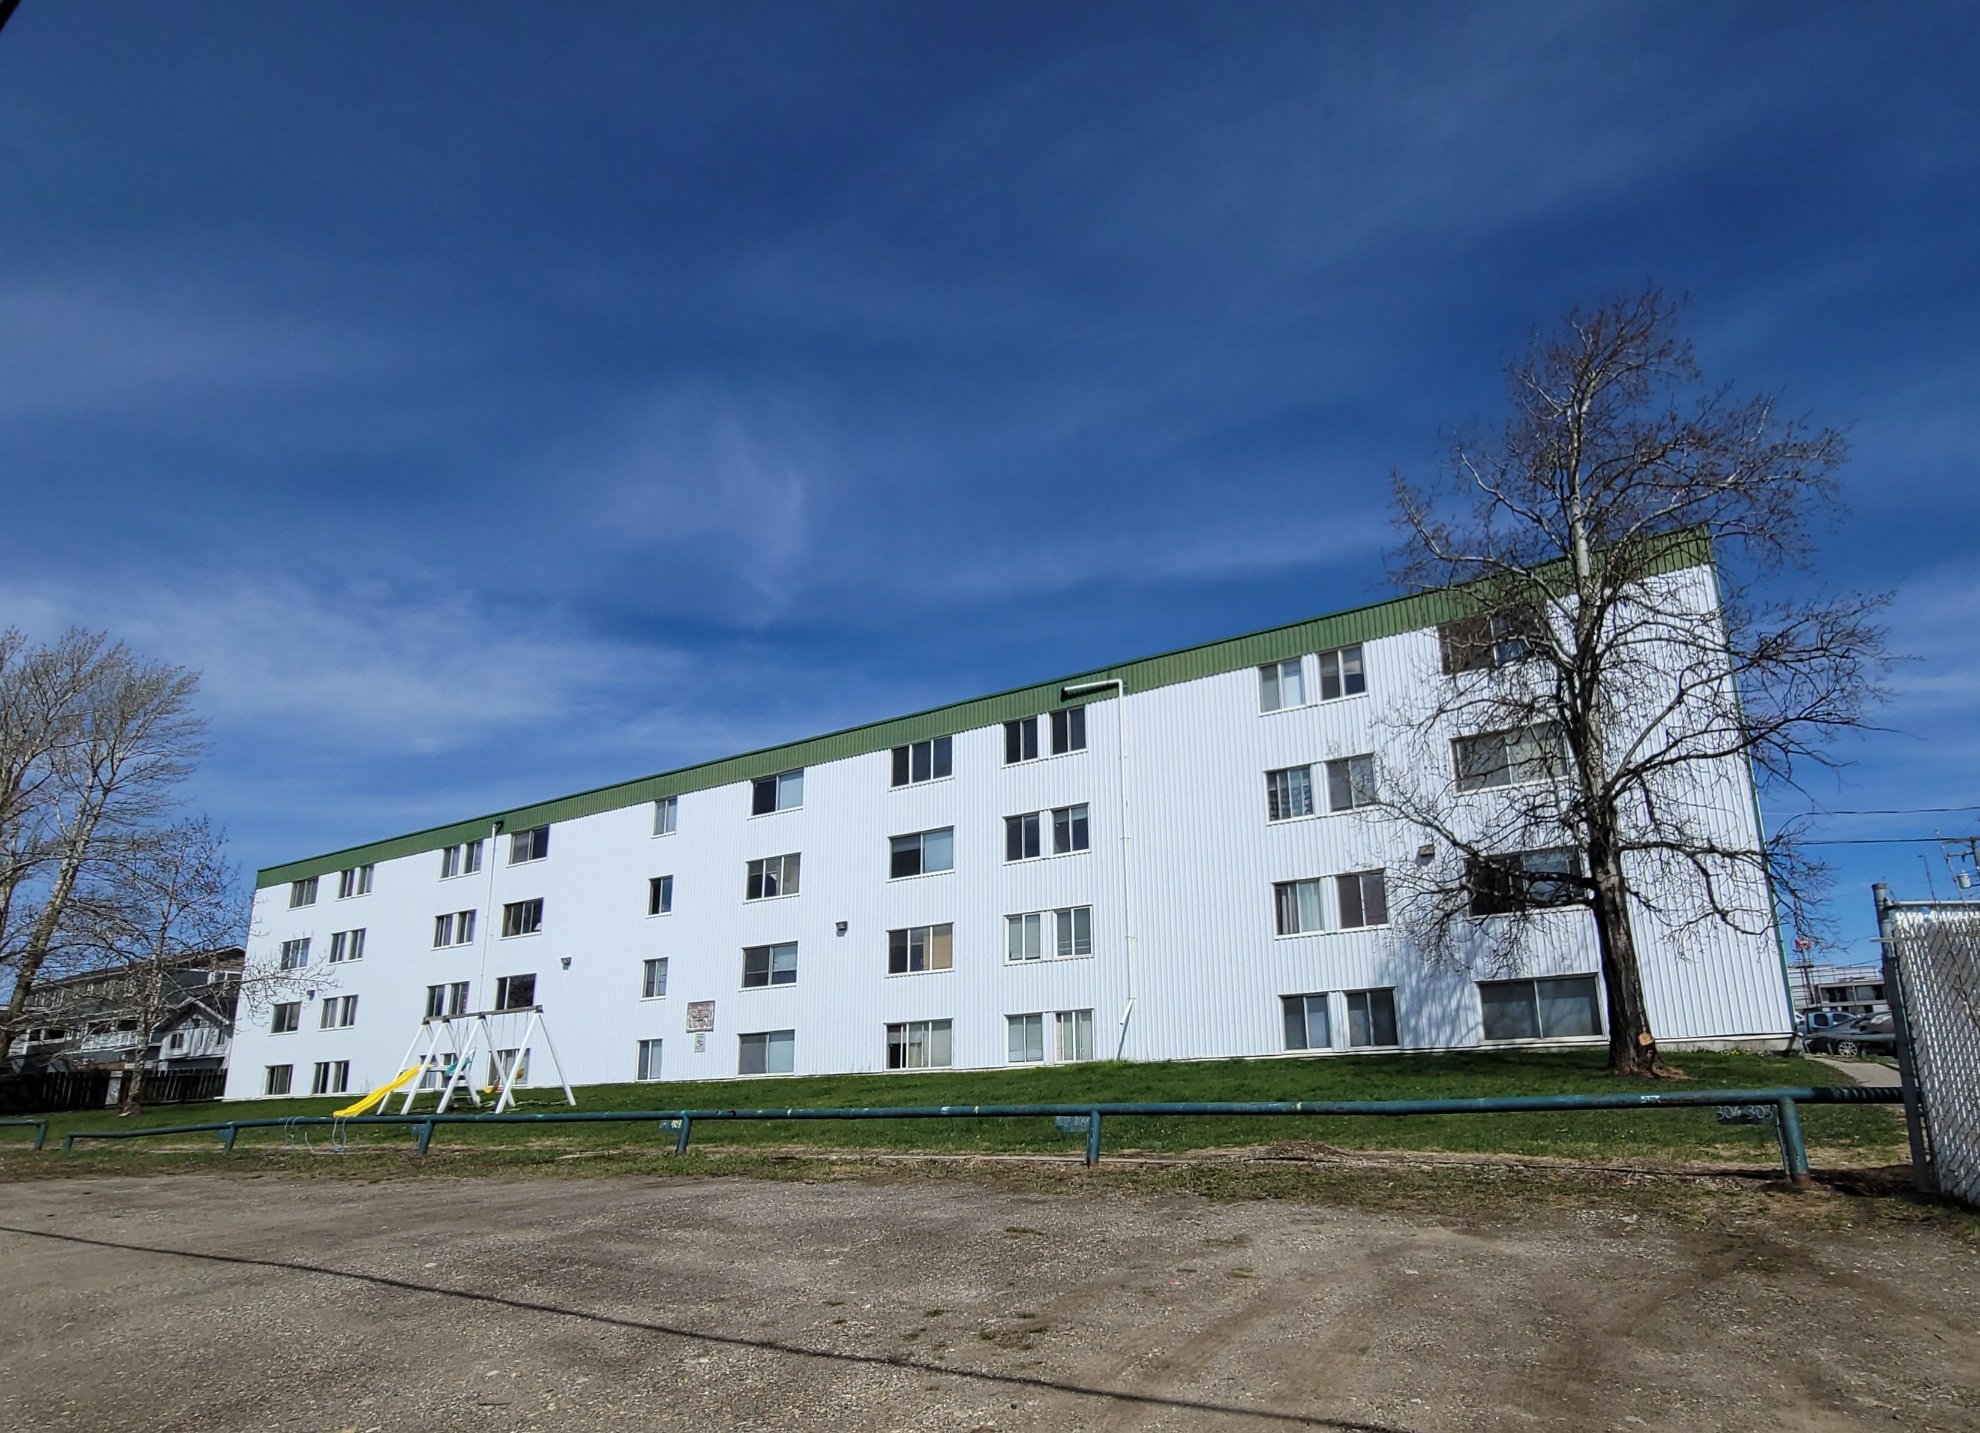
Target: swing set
x,y
445,1048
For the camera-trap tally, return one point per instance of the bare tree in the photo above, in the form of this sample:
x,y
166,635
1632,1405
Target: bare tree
x,y
1617,676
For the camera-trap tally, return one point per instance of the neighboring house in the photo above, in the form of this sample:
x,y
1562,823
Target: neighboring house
x,y
1827,994
91,1020
1163,859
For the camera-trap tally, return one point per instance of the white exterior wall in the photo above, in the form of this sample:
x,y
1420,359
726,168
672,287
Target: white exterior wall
x,y
1206,974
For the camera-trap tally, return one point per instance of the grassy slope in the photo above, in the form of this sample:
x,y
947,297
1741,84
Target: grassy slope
x,y
1848,1135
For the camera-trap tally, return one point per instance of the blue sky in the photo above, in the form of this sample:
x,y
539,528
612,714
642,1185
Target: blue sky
x,y
497,402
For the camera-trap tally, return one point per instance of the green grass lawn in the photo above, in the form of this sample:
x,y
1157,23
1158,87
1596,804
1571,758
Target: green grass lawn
x,y
1851,1135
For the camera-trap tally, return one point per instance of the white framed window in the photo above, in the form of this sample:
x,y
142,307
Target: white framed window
x,y
303,892
446,1000
1071,1032
1288,793
666,815
1026,1037
460,860
295,953
1371,1018
522,917
1025,936
1488,640
1022,837
285,1017
1069,829
1523,881
176,1041
782,792
660,896
1073,1036
277,1079
346,945
1073,926
339,1012
1350,783
1020,740
1508,758
354,881
921,761
515,992
767,965
1307,1027
454,929
1282,685
1556,1008
649,1060
919,948
530,845
918,1045
771,877
332,1077
1068,730
653,979
1341,674
501,1062
1297,907
921,853
767,1052
1363,899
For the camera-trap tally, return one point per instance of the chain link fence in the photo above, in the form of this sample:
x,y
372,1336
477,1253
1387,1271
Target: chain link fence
x,y
1932,976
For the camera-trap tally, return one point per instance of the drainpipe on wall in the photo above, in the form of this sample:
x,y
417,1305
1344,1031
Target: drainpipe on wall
x,y
1081,689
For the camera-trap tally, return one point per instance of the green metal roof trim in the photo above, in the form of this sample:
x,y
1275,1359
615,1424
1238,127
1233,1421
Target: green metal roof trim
x,y
1390,618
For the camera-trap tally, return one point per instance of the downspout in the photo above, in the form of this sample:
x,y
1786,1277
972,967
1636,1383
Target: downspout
x,y
1081,689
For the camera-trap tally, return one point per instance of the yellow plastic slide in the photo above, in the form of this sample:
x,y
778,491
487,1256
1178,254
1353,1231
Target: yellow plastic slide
x,y
377,1096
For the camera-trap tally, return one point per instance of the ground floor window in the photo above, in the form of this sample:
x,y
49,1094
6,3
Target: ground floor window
x,y
332,1077
1072,1036
278,1079
1075,1035
649,1060
1306,1022
918,1045
1550,1009
501,1062
769,1052
1371,1017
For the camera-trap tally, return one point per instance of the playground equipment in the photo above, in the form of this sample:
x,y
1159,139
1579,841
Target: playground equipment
x,y
445,1047
379,1095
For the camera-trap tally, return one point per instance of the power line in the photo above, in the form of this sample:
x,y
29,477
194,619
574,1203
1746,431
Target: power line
x,y
1891,841
1883,811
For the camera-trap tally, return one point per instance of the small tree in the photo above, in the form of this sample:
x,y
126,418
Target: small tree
x,y
1622,702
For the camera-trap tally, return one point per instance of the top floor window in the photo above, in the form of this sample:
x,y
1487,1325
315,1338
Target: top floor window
x,y
783,792
1281,685
920,761
530,845
1020,740
461,860
921,853
353,882
1523,881
1508,758
1487,640
1341,674
666,815
303,892
1068,730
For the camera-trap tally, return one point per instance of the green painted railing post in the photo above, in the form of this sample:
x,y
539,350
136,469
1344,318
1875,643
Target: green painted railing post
x,y
681,1139
1093,1137
68,1143
1794,1150
41,1134
227,1135
423,1136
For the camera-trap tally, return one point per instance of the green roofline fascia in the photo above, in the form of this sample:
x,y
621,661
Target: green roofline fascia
x,y
1390,618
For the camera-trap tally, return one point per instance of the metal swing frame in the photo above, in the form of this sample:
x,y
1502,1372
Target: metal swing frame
x,y
465,1037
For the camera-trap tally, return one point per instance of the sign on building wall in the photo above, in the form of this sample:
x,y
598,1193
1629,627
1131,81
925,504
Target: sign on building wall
x,y
700,1015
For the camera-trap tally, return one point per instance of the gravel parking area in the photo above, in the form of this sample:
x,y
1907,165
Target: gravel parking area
x,y
219,1302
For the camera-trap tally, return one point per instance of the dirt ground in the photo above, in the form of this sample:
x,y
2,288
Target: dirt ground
x,y
210,1302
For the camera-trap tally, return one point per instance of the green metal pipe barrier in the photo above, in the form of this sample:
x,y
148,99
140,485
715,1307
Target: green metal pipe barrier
x,y
40,1128
1783,1104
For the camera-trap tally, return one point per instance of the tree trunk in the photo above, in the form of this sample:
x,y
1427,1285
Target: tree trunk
x,y
1632,1048
43,935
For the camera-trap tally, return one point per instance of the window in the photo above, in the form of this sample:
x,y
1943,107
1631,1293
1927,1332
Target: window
x,y
446,1000
1364,899
649,1060
1021,837
653,979
285,1017
1341,674
353,882
1350,783
278,1079
302,893
175,1041
455,929
1298,906
784,792
1025,936
1523,880
1074,925
1371,1017
1075,1029
1027,1038
768,1053
1281,685
530,845
922,853
1540,1009
771,877
923,761
522,917
918,1045
332,1077
660,896
295,953
502,1062
919,948
346,945
1288,793
1306,1022
1508,758
339,1012
666,815
1487,640
769,965
1020,740
1068,730
515,992
1069,832
461,860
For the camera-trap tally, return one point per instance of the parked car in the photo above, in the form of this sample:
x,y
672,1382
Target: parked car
x,y
1865,1035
